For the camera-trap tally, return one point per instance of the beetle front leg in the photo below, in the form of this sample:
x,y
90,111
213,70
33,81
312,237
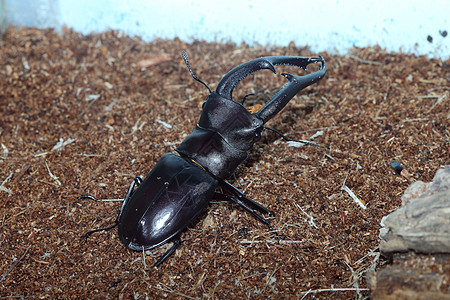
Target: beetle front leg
x,y
136,182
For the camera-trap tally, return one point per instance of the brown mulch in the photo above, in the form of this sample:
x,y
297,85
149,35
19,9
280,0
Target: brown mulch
x,y
118,104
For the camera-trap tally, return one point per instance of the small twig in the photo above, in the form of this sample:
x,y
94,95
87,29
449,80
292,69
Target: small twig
x,y
438,88
51,174
253,275
438,101
5,150
351,194
330,157
388,89
137,127
14,264
315,129
330,290
21,173
112,200
90,155
350,117
167,125
356,199
269,279
61,144
355,277
40,154
371,253
50,183
2,186
428,96
91,99
167,289
415,120
369,62
304,260
272,242
311,219
136,260
143,258
318,133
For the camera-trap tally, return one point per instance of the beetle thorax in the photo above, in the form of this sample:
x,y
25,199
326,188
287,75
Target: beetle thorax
x,y
222,137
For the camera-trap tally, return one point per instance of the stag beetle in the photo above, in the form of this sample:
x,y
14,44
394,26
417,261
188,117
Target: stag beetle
x,y
182,184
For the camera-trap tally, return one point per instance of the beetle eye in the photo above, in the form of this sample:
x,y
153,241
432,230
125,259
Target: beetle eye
x,y
258,135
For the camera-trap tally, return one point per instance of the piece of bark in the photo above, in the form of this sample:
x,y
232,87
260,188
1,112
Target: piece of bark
x,y
417,239
422,224
412,276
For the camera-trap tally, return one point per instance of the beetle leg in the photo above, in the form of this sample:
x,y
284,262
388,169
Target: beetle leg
x,y
292,140
87,196
87,234
240,195
245,206
137,181
176,243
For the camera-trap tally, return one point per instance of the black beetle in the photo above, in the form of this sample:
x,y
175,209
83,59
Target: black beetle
x,y
182,184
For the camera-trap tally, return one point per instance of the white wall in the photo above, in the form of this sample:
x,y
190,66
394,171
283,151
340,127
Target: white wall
x,y
331,25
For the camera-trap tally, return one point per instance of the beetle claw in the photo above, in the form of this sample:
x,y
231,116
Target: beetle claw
x,y
281,98
231,79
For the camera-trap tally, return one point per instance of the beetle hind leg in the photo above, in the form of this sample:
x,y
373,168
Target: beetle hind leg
x,y
238,197
176,244
245,206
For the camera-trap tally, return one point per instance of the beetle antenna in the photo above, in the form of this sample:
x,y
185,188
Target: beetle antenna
x,y
291,140
185,57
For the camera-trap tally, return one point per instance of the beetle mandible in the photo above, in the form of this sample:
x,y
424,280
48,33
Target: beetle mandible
x,y
183,183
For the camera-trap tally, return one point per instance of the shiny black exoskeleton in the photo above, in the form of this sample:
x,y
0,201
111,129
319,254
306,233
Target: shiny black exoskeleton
x,y
181,185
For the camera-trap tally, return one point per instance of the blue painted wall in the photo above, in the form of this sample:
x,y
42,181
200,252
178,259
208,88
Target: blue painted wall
x,y
331,25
